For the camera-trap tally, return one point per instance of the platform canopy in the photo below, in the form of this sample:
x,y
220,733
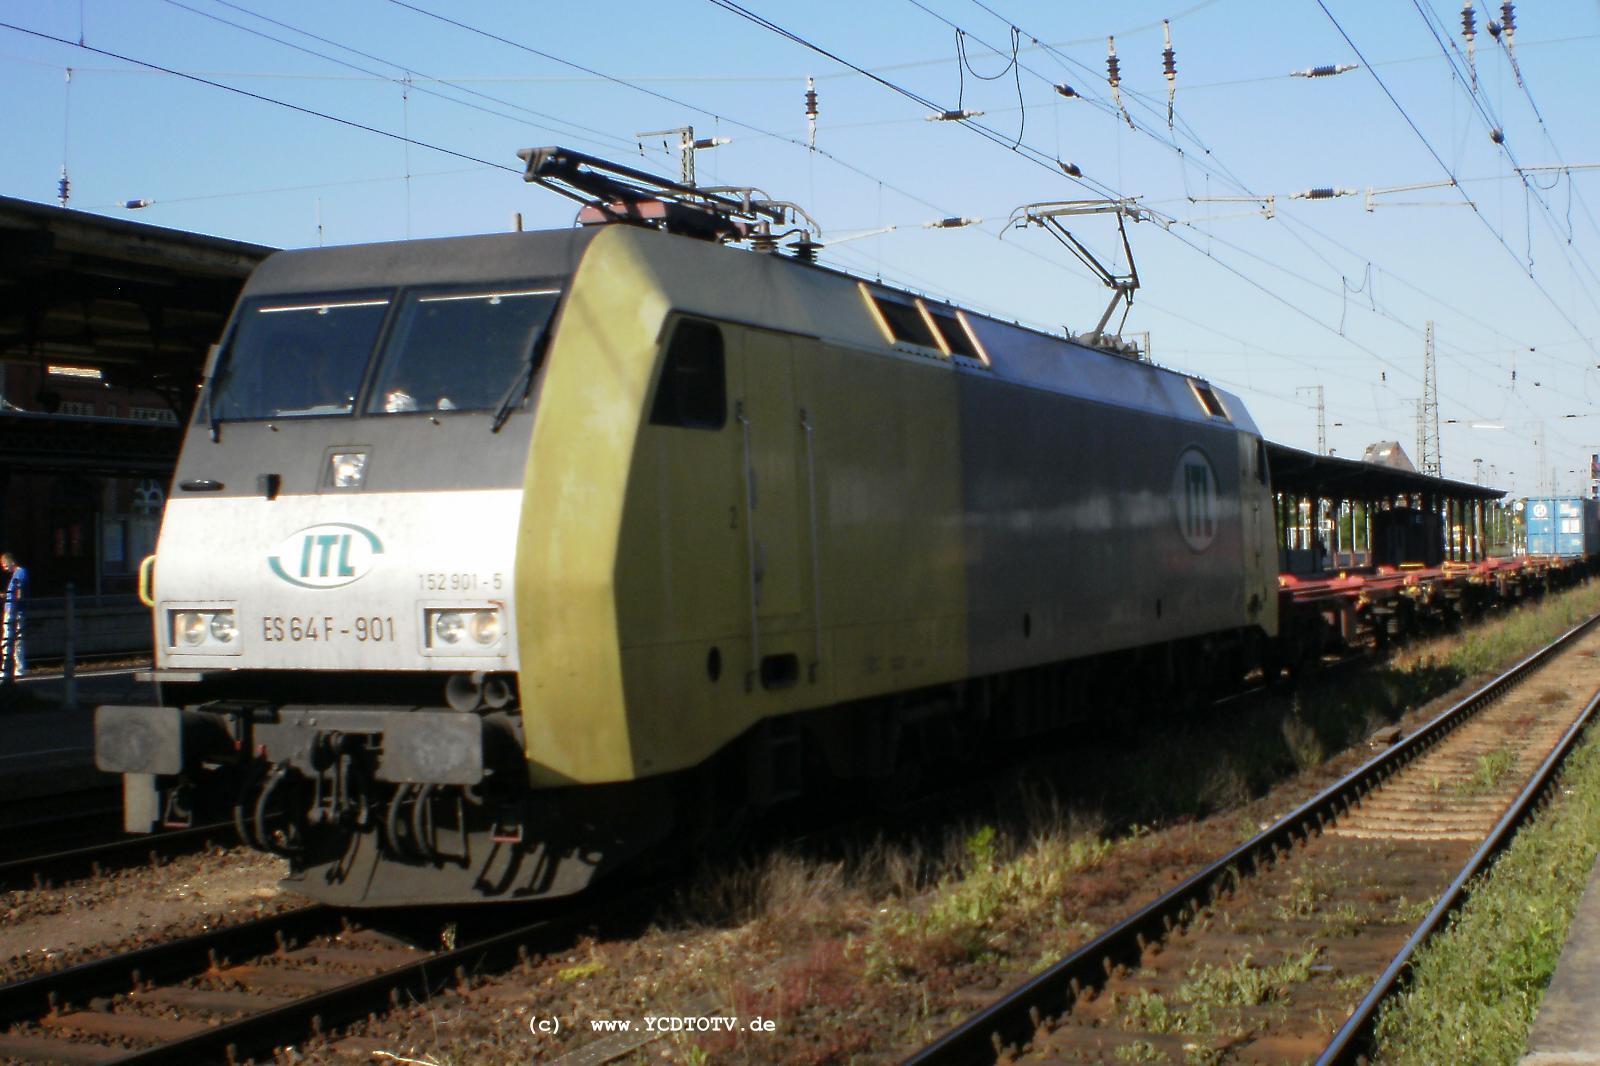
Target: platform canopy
x,y
1301,473
139,303
119,305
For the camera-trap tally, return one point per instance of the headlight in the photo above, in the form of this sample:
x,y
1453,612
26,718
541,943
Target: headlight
x,y
207,630
448,626
347,470
463,631
189,627
484,626
223,629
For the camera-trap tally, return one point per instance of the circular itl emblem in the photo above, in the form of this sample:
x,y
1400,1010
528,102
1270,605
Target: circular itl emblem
x,y
326,556
1194,498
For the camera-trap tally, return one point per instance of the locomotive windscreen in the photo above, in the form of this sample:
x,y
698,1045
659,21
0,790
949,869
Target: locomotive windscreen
x,y
448,349
298,357
459,351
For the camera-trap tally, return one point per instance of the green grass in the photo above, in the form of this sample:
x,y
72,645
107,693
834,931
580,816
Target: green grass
x,y
1487,771
1477,987
966,913
1003,881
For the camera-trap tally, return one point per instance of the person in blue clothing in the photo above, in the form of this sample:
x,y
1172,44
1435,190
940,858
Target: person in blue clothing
x,y
12,665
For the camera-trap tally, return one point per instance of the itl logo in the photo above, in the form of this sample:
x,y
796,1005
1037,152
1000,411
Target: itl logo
x,y
326,556
1194,498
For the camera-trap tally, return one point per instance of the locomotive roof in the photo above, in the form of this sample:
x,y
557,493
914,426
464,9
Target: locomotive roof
x,y
792,295
478,258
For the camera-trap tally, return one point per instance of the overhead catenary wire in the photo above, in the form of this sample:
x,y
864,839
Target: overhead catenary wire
x,y
261,97
1576,329
1043,160
1496,127
1007,137
410,77
1032,154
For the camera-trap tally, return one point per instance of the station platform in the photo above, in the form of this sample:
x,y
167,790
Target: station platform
x,y
47,739
1566,1031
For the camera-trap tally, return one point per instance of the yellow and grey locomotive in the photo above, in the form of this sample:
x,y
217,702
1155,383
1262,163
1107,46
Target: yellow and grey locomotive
x,y
493,562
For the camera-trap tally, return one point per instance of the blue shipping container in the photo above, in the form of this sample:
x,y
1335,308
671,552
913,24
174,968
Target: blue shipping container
x,y
1564,526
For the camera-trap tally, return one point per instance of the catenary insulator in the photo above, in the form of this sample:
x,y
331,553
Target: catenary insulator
x,y
811,111
1169,68
1326,70
1114,77
1469,21
1508,17
64,187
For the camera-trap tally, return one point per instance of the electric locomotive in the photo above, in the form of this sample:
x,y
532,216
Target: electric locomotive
x,y
495,562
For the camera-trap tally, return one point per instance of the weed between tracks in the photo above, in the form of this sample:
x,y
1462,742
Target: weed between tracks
x,y
866,955
1476,988
936,930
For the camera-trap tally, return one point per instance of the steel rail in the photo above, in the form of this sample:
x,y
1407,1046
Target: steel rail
x,y
1354,1039
1013,1019
416,981
35,997
94,859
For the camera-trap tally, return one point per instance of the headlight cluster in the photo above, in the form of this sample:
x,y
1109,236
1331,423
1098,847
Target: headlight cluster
x,y
462,630
209,630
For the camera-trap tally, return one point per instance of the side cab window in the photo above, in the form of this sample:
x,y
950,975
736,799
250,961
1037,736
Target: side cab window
x,y
692,392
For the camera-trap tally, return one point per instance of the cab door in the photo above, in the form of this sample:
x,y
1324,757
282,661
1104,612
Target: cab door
x,y
1256,518
769,422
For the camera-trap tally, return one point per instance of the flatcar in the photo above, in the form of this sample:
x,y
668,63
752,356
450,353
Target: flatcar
x,y
496,563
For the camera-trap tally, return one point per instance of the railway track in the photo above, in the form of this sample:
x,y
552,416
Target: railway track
x,y
1261,956
93,860
235,993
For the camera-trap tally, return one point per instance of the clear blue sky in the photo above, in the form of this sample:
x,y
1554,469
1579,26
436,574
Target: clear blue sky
x,y
1322,294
